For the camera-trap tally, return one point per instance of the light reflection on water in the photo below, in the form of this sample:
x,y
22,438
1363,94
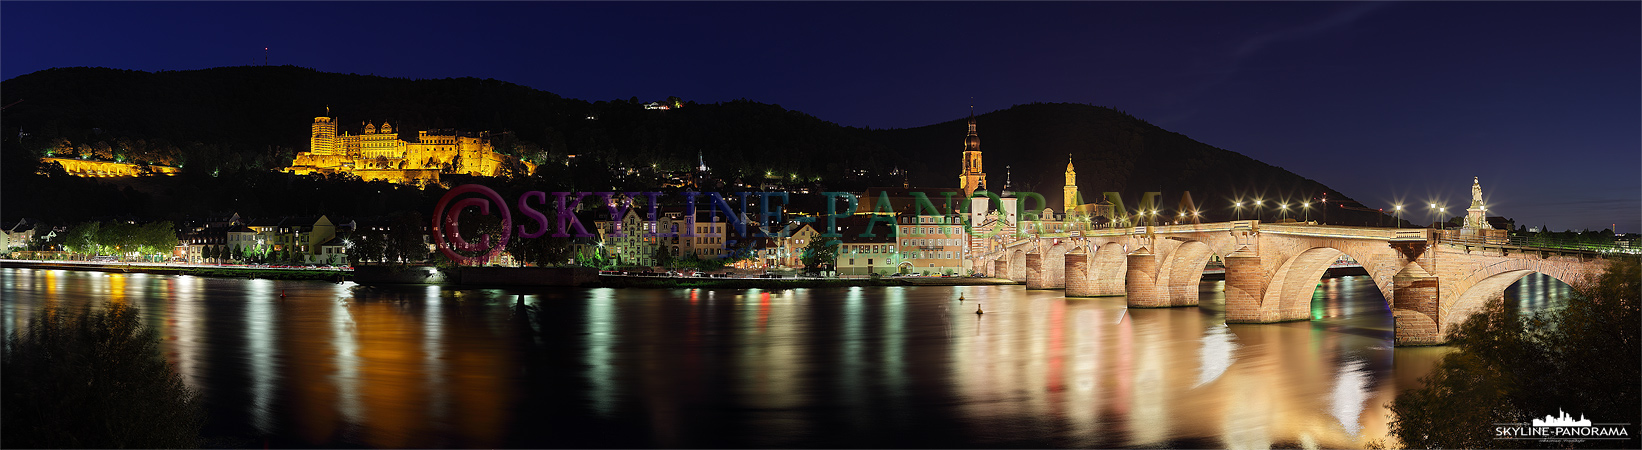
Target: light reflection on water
x,y
342,365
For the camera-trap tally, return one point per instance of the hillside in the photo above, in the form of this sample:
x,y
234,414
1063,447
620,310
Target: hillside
x,y
1112,151
234,118
248,120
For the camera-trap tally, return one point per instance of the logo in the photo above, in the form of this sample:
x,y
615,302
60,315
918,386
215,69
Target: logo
x,y
1563,428
447,232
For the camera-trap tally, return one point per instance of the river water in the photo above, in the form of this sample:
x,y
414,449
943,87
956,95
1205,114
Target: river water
x,y
316,364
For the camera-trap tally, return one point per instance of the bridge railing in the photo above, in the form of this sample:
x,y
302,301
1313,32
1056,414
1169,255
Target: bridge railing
x,y
1538,242
1333,231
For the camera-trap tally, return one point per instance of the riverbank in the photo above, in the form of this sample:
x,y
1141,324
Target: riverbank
x,y
270,273
495,276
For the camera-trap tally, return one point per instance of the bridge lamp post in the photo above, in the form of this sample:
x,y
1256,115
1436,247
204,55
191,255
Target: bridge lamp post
x,y
1283,211
1257,204
1238,207
1306,207
1397,217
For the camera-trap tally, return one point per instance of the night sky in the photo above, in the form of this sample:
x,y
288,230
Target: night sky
x,y
1388,103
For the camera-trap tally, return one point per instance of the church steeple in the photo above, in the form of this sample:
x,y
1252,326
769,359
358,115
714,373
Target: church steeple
x,y
1069,194
973,177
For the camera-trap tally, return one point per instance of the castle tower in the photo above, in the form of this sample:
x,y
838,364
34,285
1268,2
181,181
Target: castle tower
x,y
1069,199
323,141
972,178
1476,217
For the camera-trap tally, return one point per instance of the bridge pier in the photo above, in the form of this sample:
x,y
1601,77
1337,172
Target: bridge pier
x,y
1141,281
1000,268
1077,274
1035,276
1245,285
1414,306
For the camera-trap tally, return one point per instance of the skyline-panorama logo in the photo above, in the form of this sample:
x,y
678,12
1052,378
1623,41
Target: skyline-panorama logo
x,y
1562,428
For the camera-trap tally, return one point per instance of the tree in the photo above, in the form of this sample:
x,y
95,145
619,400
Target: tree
x,y
155,237
1583,359
406,241
368,246
82,238
94,380
820,254
540,252
663,257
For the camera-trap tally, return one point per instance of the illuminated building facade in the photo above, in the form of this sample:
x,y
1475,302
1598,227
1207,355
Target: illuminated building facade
x,y
377,153
109,169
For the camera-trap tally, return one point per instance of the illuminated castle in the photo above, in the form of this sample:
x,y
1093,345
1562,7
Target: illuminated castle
x,y
379,154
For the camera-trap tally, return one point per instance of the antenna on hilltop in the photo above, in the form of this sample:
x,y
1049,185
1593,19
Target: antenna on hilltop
x,y
265,57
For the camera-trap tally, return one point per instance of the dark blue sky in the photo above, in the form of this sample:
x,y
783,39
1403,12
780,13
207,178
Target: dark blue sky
x,y
1388,102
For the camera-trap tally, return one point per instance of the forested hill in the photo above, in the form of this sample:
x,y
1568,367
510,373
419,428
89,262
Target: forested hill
x,y
256,118
1112,151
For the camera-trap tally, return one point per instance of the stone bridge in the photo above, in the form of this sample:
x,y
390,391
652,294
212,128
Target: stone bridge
x,y
1272,270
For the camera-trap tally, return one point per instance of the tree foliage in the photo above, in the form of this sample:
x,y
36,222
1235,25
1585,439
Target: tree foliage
x,y
820,254
1583,359
94,380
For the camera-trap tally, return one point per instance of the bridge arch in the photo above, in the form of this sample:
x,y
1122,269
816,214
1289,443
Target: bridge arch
x,y
1291,286
1054,264
1288,295
1487,284
1480,294
1183,270
1016,265
1108,263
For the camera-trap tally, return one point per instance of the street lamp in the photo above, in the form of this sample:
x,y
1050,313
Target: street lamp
x,y
1257,204
1397,217
1306,207
1283,214
1325,207
1238,206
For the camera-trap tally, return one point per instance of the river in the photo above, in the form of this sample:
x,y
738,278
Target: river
x,y
316,364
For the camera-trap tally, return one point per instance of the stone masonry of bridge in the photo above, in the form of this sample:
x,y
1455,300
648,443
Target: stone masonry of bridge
x,y
1272,270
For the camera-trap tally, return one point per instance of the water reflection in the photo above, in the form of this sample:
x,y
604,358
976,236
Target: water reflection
x,y
601,336
1215,355
1350,392
343,365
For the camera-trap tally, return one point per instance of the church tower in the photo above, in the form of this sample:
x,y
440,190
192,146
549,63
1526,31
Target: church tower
x,y
972,178
1069,199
